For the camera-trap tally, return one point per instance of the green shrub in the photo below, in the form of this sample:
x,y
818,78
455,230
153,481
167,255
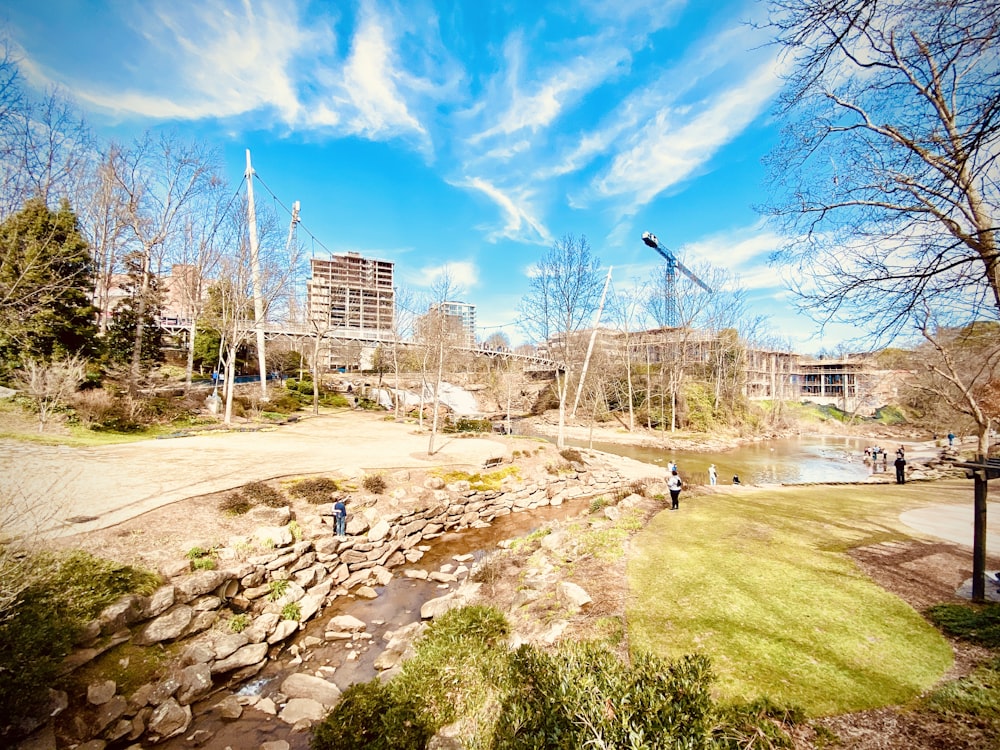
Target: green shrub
x,y
235,504
291,611
758,724
597,504
978,624
372,716
572,455
204,563
316,491
975,697
261,492
276,589
67,591
374,483
335,400
583,695
238,623
466,424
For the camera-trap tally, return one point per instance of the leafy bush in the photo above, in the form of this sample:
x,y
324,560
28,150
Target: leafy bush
x,y
291,611
372,716
572,455
583,695
235,504
466,424
374,483
276,589
262,492
238,623
204,563
759,724
316,491
977,624
67,591
598,504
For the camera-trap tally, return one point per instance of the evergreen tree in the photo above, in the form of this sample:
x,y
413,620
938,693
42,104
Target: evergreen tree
x,y
120,338
46,286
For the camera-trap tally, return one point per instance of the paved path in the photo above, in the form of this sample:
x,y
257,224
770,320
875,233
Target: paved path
x,y
954,523
52,485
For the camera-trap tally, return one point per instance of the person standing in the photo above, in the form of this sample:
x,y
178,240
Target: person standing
x,y
900,464
674,485
951,439
713,475
340,517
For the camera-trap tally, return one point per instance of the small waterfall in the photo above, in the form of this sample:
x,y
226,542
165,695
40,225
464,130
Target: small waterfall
x,y
460,401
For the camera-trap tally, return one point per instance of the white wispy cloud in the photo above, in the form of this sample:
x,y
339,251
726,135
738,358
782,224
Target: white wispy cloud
x,y
463,275
520,221
676,144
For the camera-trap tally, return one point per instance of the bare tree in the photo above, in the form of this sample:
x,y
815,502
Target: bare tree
x,y
50,384
564,291
961,369
161,178
887,175
439,334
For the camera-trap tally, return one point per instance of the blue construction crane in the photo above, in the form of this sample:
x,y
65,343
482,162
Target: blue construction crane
x,y
674,265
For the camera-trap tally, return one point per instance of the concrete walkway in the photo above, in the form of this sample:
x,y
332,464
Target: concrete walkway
x,y
61,490
954,523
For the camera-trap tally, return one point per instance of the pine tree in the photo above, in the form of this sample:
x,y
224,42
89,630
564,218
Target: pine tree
x,y
120,339
46,286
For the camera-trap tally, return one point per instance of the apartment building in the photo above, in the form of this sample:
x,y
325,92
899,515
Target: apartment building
x,y
352,292
464,312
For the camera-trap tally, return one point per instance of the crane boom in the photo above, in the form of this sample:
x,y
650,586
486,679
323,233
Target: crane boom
x,y
672,262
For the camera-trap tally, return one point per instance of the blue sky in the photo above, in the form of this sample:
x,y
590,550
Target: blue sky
x,y
462,134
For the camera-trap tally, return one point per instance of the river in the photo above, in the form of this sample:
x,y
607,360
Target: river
x,y
794,460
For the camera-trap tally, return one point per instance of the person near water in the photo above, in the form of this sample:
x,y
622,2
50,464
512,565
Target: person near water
x,y
736,478
340,517
951,438
713,475
671,467
674,485
900,464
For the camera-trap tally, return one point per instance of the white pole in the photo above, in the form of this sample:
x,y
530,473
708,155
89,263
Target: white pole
x,y
258,298
590,346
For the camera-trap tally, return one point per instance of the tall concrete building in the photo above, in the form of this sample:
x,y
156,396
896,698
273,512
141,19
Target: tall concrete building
x,y
352,292
466,315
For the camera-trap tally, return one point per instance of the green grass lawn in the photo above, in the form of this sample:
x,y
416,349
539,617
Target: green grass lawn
x,y
759,580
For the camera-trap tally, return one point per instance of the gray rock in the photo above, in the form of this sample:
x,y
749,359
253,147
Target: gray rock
x,y
572,594
283,630
196,682
159,602
206,602
279,536
121,614
275,745
201,582
109,713
436,607
229,708
346,622
242,657
168,720
379,531
298,709
227,643
366,592
199,737
300,685
99,693
434,483
309,605
199,652
166,627
164,689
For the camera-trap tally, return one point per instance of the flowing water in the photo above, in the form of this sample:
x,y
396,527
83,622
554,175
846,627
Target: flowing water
x,y
795,460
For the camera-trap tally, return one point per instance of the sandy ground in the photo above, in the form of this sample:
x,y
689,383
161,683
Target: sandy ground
x,y
61,490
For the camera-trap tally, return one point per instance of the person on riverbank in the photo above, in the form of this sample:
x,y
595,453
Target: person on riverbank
x,y
900,464
674,486
713,475
340,517
951,439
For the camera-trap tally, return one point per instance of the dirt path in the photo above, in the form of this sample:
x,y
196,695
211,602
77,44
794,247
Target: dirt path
x,y
62,490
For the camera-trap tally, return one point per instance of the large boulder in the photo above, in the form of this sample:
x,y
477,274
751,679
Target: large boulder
x,y
166,627
196,682
169,719
298,709
246,656
299,685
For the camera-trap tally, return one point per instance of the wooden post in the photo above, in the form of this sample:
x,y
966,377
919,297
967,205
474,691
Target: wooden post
x,y
979,538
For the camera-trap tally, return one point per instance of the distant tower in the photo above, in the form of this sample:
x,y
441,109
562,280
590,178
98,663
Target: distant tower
x,y
349,291
466,315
